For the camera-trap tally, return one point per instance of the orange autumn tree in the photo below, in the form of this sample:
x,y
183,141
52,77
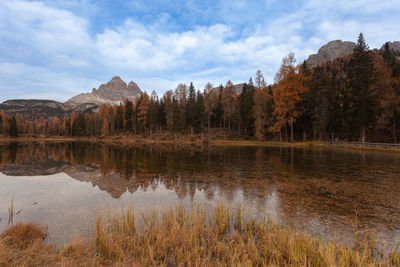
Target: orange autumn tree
x,y
142,109
3,120
287,95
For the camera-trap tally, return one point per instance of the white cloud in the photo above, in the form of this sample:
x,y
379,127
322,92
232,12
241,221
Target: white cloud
x,y
50,52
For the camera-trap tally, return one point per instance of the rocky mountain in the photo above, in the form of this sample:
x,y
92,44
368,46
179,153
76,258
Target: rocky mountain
x,y
113,92
392,45
38,108
395,46
238,88
330,51
34,108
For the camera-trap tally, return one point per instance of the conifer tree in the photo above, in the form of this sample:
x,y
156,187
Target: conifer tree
x,y
287,95
13,129
210,102
246,103
199,112
190,107
2,121
362,98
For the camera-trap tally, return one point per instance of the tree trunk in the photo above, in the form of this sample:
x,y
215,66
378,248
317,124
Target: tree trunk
x,y
286,133
209,119
394,126
280,135
304,135
363,134
291,132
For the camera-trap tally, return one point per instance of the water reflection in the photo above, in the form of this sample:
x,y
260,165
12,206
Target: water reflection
x,y
319,190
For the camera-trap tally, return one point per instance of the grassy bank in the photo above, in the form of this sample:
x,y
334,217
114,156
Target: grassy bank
x,y
182,237
188,140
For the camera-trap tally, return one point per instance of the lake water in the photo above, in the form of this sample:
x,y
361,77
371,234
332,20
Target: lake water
x,y
320,190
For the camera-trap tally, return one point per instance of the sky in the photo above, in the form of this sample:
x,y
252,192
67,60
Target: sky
x,y
53,49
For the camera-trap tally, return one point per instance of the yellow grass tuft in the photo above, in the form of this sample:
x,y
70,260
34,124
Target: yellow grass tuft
x,y
195,236
222,237
22,236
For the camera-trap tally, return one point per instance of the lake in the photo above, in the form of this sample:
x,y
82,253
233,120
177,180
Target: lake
x,y
320,190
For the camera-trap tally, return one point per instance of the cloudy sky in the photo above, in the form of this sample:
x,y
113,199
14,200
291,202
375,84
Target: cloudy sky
x,y
54,49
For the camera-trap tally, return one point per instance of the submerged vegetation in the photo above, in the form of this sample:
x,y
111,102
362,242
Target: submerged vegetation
x,y
188,237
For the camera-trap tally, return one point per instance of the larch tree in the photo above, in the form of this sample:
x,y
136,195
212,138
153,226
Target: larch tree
x,y
210,101
287,94
128,115
260,82
105,114
142,110
228,102
181,95
2,121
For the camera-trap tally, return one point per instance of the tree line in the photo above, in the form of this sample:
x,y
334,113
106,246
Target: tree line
x,y
356,97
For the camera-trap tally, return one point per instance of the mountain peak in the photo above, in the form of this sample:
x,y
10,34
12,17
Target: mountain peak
x,y
116,78
112,92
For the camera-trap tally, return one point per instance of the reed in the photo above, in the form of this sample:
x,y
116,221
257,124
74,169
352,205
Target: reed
x,y
196,236
11,212
222,237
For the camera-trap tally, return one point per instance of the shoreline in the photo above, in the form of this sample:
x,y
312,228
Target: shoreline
x,y
188,140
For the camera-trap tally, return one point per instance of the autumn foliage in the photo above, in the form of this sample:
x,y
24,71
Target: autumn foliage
x,y
356,97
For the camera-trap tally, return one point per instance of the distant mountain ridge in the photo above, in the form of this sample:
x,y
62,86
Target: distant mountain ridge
x,y
113,92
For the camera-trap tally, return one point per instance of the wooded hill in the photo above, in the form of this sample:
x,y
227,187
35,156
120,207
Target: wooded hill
x,y
356,97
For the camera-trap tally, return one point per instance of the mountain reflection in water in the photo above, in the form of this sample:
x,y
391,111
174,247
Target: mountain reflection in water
x,y
322,191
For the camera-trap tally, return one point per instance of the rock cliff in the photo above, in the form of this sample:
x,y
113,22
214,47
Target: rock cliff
x,y
330,51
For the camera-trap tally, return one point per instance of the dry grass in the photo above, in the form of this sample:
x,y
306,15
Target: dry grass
x,y
187,237
181,237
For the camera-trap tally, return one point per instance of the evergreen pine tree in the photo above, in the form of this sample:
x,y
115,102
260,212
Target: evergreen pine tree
x,y
251,82
199,115
13,130
362,106
246,103
190,108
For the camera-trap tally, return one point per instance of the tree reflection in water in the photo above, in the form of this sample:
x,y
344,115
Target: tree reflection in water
x,y
320,190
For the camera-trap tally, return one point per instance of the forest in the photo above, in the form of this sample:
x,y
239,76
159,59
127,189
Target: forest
x,y
356,97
